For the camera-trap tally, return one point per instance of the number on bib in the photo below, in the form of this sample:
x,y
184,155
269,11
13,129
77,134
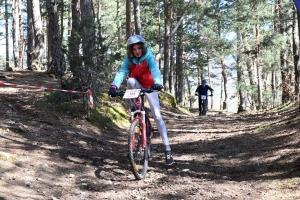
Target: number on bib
x,y
131,94
203,97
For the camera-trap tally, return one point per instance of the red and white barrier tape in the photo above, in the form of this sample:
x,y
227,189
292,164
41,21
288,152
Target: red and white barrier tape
x,y
52,89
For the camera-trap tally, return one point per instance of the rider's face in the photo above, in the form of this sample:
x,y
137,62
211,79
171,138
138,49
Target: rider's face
x,y
137,50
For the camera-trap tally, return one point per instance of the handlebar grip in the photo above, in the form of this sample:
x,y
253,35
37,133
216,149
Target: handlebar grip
x,y
120,93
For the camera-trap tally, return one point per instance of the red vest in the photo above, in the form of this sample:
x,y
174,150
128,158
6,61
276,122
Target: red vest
x,y
142,74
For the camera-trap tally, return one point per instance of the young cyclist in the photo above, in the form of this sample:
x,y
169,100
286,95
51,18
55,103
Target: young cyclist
x,y
203,90
143,72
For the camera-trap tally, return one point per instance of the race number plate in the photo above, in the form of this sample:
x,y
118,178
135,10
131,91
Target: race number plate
x,y
131,94
203,97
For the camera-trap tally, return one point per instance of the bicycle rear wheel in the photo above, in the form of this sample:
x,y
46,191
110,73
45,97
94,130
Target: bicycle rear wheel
x,y
138,157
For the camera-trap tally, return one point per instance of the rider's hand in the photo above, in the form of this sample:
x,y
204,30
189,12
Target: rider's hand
x,y
157,87
196,94
211,94
112,91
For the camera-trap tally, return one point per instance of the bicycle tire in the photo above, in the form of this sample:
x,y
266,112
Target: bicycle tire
x,y
203,107
138,157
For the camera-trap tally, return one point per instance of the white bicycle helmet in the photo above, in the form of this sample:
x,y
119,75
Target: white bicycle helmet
x,y
135,39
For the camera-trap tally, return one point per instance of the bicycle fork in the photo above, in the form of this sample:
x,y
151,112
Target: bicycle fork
x,y
141,115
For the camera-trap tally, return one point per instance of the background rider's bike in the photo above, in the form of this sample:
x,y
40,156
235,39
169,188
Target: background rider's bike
x,y
140,132
203,104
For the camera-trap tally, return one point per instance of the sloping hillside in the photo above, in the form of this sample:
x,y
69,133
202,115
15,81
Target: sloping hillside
x,y
48,150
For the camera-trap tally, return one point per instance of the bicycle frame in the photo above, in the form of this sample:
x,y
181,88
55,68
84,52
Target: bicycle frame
x,y
203,101
141,113
140,133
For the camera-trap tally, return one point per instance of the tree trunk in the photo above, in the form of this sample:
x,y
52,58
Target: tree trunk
x,y
39,40
102,50
240,76
171,63
210,83
259,70
223,66
137,17
273,86
119,21
172,70
69,19
180,69
62,6
159,33
168,24
56,59
128,19
30,35
74,41
7,68
200,75
297,68
224,75
285,72
250,69
221,95
16,34
88,39
296,27
21,52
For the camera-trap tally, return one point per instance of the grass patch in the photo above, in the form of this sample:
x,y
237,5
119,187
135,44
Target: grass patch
x,y
264,127
286,106
72,104
168,99
110,112
8,158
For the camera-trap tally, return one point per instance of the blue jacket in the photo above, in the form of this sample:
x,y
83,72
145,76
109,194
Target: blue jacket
x,y
150,60
203,90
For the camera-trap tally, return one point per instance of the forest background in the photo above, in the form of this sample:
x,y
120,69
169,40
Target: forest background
x,y
248,50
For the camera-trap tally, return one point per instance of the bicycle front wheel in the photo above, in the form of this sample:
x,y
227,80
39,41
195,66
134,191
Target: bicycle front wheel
x,y
138,157
203,107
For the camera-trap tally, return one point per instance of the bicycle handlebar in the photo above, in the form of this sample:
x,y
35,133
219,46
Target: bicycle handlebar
x,y
205,95
121,93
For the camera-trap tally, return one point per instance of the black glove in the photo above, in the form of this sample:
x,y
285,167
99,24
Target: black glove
x,y
157,87
112,91
211,94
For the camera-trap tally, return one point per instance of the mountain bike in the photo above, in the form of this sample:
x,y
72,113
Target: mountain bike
x,y
140,132
203,104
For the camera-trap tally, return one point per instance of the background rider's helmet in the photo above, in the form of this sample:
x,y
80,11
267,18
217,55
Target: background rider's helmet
x,y
204,81
135,39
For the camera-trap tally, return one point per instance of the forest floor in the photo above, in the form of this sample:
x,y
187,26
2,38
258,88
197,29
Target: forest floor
x,y
54,155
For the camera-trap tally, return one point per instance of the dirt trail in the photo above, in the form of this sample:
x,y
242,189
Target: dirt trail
x,y
47,155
